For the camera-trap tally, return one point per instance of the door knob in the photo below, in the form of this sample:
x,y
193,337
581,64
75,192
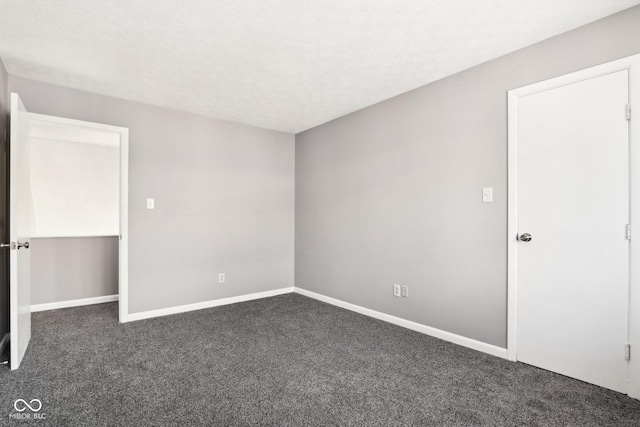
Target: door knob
x,y
525,237
14,245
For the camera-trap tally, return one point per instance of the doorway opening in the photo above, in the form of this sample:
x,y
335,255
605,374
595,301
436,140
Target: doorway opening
x,y
68,193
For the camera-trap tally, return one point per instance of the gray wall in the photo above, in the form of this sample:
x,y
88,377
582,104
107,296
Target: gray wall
x,y
224,197
65,269
392,193
4,232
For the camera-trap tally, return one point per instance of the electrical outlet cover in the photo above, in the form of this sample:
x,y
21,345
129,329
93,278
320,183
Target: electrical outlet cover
x,y
396,290
405,291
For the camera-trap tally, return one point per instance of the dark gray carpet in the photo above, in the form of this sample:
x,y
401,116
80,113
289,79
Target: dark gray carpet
x,y
282,361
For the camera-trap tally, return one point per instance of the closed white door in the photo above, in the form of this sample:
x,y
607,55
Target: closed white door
x,y
20,227
573,201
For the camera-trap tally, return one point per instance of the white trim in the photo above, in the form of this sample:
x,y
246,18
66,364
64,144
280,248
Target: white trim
x,y
206,304
578,76
68,236
634,286
512,227
631,63
73,122
50,138
4,342
73,303
44,128
418,327
123,249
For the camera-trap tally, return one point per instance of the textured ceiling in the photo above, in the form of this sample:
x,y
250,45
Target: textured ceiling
x,y
287,65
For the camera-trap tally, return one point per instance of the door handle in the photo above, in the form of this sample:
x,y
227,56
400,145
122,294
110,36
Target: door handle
x,y
525,237
14,245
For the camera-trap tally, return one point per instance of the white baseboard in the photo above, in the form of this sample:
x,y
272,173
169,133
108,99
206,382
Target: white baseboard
x,y
427,330
4,342
73,303
205,304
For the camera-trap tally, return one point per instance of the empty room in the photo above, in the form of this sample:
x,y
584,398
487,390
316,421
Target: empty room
x,y
284,213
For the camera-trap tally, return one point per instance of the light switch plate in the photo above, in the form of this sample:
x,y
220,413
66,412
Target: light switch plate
x,y
151,204
487,195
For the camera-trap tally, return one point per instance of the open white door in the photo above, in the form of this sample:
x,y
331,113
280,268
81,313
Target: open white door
x,y
20,226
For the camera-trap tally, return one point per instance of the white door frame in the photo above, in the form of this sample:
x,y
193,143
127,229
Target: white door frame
x,y
123,252
632,64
